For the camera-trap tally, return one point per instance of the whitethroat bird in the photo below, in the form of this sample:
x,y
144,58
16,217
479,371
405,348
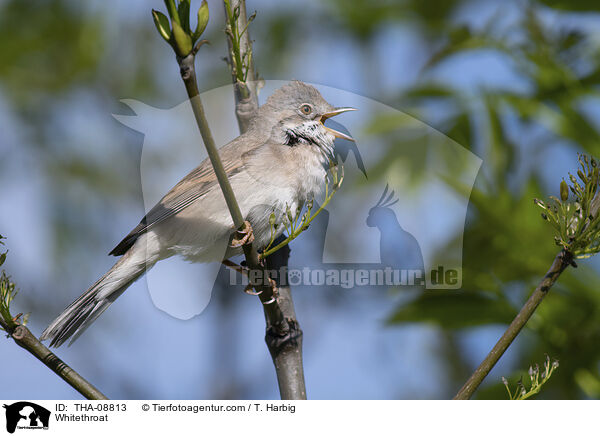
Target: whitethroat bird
x,y
276,166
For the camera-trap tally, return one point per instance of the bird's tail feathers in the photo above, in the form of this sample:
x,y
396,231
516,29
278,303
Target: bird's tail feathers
x,y
80,314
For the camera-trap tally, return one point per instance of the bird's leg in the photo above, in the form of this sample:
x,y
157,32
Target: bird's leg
x,y
243,236
274,289
234,266
249,289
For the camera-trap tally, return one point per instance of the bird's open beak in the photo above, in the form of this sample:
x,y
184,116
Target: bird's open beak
x,y
333,113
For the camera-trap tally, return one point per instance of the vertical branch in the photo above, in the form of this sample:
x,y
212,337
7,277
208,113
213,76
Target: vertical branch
x,y
241,62
285,349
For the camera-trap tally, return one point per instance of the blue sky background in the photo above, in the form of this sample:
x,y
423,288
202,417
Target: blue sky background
x,y
137,351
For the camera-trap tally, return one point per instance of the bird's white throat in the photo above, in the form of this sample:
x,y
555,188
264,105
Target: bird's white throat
x,y
311,133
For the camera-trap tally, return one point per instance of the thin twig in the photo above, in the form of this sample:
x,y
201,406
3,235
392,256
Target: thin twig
x,y
25,339
562,260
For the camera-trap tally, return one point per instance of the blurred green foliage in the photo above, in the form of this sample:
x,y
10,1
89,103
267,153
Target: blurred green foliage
x,y
507,247
67,52
71,45
542,108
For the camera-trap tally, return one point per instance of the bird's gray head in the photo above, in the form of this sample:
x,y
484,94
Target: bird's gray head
x,y
297,113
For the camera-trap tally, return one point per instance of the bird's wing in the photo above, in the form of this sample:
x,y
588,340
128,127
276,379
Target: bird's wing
x,y
192,187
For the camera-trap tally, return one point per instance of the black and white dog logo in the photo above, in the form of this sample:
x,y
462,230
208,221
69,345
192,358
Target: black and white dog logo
x,y
26,415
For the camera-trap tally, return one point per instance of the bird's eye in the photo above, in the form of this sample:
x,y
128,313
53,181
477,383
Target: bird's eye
x,y
306,109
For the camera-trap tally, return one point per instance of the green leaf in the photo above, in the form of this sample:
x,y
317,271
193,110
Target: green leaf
x,y
501,149
172,9
458,128
183,10
454,310
183,41
428,90
462,40
573,5
202,20
162,25
564,191
2,258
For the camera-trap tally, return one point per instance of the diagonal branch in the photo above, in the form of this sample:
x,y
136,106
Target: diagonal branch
x,y
25,339
15,328
266,293
562,260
